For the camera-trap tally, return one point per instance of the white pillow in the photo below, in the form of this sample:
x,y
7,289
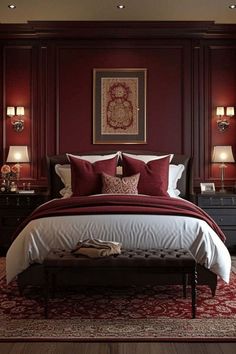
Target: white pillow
x,y
147,158
64,172
175,173
94,158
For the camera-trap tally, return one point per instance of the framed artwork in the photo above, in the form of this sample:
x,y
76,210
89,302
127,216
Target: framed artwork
x,y
119,106
207,187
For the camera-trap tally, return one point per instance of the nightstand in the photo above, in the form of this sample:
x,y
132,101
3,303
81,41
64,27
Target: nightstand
x,y
222,208
14,208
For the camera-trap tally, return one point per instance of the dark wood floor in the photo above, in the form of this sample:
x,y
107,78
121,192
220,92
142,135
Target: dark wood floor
x,y
117,348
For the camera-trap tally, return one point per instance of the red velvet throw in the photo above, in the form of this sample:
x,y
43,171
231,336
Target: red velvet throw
x,y
121,204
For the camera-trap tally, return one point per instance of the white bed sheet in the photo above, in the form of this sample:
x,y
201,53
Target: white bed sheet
x,y
139,231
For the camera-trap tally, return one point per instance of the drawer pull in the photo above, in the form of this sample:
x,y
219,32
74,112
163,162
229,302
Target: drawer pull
x,y
221,219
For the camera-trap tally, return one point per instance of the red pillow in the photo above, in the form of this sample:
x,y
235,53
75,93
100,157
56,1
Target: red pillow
x,y
86,177
153,175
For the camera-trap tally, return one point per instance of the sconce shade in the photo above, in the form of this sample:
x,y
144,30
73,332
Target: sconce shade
x,y
220,111
20,111
18,154
10,111
230,111
222,154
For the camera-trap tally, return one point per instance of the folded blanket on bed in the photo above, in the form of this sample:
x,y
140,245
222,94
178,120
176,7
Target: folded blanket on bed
x,y
121,204
95,248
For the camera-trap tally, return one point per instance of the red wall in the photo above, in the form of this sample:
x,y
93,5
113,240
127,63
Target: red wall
x,y
164,94
17,88
53,79
223,93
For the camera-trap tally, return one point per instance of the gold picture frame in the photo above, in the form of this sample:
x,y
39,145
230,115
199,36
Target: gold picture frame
x,y
119,106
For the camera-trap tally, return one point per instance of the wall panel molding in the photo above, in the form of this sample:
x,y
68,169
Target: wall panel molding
x,y
222,78
191,65
17,91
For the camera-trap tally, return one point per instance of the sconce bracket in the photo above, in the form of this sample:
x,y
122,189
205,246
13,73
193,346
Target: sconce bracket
x,y
18,125
222,125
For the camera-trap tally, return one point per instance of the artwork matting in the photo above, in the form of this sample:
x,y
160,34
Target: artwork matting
x,y
119,106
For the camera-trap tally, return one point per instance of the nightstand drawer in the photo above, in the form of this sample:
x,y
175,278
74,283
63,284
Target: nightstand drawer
x,y
230,241
210,201
11,221
24,201
223,217
224,220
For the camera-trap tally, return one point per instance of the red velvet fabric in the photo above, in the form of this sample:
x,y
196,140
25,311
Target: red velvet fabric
x,y
153,175
121,204
86,177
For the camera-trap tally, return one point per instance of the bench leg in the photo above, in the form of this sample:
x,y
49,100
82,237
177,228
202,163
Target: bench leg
x,y
53,281
46,292
185,283
194,292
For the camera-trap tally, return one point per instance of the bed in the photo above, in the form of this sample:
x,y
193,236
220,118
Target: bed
x,y
137,226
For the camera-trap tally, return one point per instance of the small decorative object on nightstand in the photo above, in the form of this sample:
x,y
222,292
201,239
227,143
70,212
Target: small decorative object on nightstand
x,y
222,208
207,187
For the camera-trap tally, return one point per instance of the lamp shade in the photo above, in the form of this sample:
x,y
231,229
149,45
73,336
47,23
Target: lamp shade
x,y
222,154
230,111
18,154
220,111
10,111
20,111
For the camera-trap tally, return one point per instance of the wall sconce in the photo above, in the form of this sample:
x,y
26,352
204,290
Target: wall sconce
x,y
18,154
222,122
222,154
16,114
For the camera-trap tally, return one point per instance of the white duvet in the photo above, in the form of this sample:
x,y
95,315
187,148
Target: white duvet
x,y
139,231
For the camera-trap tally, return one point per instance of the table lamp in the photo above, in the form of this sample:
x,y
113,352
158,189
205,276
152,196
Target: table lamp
x,y
222,155
18,154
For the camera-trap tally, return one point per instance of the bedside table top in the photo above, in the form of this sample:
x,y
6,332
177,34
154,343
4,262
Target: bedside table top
x,y
17,194
218,193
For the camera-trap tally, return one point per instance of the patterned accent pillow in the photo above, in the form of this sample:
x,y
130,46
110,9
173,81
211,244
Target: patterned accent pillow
x,y
118,185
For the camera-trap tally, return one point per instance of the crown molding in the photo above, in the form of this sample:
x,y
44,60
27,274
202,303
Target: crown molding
x,y
118,30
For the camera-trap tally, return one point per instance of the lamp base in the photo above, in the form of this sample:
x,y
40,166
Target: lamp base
x,y
222,190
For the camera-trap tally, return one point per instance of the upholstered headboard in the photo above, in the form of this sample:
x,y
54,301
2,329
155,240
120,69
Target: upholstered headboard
x,y
184,184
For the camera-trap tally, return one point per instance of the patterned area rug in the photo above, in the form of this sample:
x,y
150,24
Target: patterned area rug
x,y
147,314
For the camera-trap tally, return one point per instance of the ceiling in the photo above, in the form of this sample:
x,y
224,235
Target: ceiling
x,y
105,10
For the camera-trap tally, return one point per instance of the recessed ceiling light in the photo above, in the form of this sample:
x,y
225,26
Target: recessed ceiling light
x,y
12,6
120,6
232,6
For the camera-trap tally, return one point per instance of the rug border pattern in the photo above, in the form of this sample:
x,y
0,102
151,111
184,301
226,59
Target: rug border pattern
x,y
130,330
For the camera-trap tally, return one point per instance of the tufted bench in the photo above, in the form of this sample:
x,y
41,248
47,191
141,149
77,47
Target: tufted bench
x,y
131,267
